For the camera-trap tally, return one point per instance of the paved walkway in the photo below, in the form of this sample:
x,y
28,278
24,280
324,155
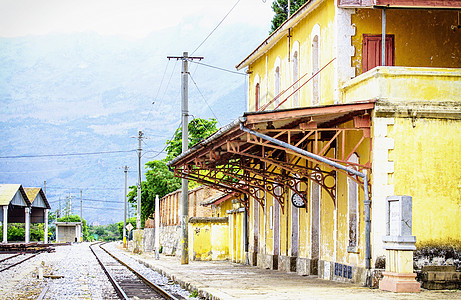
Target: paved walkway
x,y
226,280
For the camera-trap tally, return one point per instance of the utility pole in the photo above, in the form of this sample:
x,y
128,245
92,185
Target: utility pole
x,y
138,203
185,145
157,227
81,214
70,204
124,209
44,184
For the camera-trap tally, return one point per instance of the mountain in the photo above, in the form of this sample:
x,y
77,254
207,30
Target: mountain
x,y
84,93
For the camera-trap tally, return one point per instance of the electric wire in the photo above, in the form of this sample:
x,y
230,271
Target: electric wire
x,y
66,154
205,100
215,27
91,200
82,189
158,91
218,68
208,129
166,144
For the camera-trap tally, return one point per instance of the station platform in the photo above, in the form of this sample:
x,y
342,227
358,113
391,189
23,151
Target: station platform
x,y
226,280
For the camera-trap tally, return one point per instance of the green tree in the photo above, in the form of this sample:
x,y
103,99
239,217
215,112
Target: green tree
x,y
159,180
120,226
199,129
280,7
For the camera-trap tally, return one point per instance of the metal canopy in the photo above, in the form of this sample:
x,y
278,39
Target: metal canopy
x,y
234,161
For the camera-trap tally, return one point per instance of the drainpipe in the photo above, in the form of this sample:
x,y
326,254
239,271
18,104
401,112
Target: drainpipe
x,y
383,38
363,175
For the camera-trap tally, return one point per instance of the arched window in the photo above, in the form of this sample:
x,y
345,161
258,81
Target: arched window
x,y
316,64
295,79
277,85
257,96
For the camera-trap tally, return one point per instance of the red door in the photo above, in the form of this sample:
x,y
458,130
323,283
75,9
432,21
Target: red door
x,y
371,51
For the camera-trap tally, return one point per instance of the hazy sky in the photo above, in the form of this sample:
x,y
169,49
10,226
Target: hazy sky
x,y
136,18
86,75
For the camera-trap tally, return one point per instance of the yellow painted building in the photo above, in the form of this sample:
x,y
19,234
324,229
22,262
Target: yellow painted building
x,y
333,128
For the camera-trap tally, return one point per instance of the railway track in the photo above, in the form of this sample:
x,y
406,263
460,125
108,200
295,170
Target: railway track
x,y
14,260
128,283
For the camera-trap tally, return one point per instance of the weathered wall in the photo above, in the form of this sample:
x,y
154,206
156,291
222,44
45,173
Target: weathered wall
x,y
67,233
321,22
423,38
170,240
208,239
427,160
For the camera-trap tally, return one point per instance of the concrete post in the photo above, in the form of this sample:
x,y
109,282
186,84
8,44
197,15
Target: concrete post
x,y
45,235
27,221
5,224
79,232
57,234
399,244
157,227
185,146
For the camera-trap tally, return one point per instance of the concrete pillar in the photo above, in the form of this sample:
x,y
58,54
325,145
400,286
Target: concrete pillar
x,y
5,223
57,233
77,233
27,221
399,244
45,234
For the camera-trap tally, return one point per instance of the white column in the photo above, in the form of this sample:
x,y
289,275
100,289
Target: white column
x,y
27,221
157,227
5,223
57,236
45,235
77,232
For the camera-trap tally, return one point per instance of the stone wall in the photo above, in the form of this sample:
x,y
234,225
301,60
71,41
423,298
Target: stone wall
x,y
170,240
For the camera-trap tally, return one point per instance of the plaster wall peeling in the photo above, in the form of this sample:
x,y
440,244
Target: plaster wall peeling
x,y
381,188
343,49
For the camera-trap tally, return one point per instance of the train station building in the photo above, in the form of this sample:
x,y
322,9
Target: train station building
x,y
345,110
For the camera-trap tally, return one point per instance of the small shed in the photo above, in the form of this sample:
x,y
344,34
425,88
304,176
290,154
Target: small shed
x,y
68,232
39,208
15,208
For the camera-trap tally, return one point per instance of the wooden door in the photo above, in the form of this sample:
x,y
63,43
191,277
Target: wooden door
x,y
371,51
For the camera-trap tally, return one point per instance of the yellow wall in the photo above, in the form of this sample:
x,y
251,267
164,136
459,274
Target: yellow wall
x,y
427,161
423,38
323,16
208,240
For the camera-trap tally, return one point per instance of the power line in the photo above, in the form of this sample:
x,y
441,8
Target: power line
x,y
215,27
158,91
104,208
205,100
166,144
218,68
81,188
67,154
92,200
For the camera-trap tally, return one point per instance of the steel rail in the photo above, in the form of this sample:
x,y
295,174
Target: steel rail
x,y
15,264
10,257
117,287
155,287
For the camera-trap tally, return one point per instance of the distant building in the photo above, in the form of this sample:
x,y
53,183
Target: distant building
x,y
68,232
